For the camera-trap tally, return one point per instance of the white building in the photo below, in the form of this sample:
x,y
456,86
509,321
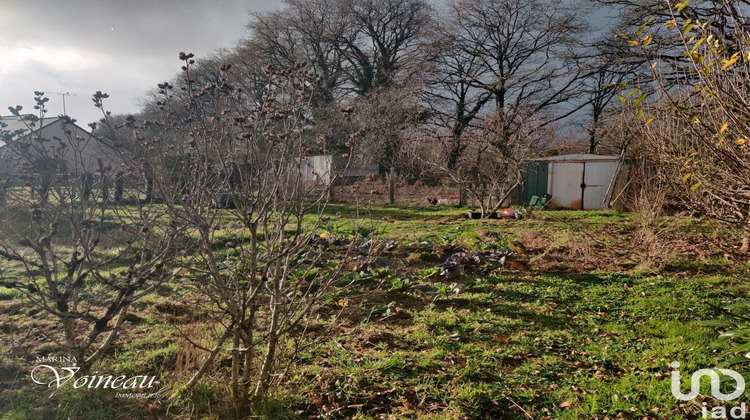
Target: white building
x,y
323,168
74,149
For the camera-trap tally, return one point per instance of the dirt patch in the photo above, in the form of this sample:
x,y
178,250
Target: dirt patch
x,y
11,307
375,338
375,191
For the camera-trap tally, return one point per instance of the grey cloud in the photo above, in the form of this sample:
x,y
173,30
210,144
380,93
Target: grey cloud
x,y
134,42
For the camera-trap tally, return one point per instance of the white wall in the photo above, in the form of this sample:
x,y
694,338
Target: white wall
x,y
80,150
317,168
323,168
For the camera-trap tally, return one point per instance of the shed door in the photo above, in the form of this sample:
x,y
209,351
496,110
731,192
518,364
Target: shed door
x,y
567,178
598,176
534,181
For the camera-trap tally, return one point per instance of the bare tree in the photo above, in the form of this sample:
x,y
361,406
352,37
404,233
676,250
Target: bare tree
x,y
304,31
381,40
514,60
487,174
85,261
617,135
600,88
453,96
243,160
352,45
384,120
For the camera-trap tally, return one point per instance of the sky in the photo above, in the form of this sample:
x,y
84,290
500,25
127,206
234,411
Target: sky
x,y
121,47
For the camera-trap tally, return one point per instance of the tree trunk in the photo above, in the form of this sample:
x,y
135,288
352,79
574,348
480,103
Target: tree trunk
x,y
391,187
235,379
502,199
88,362
592,135
206,363
247,367
149,189
105,190
264,379
86,182
119,188
456,148
330,194
463,199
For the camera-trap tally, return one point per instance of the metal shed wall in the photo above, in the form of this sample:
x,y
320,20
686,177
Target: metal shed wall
x,y
581,182
535,178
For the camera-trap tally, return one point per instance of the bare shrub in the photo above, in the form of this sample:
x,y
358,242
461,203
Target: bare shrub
x,y
650,195
697,128
233,155
84,261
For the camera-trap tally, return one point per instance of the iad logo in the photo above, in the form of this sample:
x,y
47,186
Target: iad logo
x,y
695,383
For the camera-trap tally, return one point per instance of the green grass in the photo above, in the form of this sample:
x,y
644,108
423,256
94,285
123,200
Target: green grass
x,y
9,294
538,342
575,332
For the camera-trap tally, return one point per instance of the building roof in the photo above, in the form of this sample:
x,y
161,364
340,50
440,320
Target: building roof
x,y
12,123
580,157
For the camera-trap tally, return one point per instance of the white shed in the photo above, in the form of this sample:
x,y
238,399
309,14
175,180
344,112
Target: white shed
x,y
322,168
581,181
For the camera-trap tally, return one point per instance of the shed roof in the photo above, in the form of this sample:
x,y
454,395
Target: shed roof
x,y
580,157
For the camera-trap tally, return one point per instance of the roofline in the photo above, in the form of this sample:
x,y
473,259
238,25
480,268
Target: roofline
x,y
52,121
581,157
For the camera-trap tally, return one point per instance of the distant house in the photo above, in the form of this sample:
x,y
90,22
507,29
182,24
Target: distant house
x,y
577,181
75,150
323,168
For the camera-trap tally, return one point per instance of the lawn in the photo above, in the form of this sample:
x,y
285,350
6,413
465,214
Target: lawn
x,y
576,323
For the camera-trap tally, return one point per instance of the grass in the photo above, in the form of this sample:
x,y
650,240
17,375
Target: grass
x,y
559,346
9,294
574,328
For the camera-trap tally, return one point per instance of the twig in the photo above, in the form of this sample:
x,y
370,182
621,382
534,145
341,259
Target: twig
x,y
726,311
519,407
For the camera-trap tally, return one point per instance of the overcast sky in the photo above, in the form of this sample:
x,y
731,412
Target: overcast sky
x,y
121,47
